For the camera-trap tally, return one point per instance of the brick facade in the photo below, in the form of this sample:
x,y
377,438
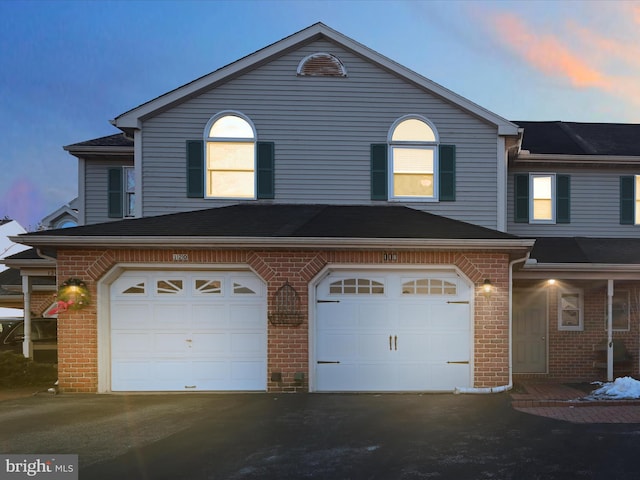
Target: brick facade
x,y
571,353
288,345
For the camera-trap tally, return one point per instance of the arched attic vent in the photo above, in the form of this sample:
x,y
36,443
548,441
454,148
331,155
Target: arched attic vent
x,y
321,65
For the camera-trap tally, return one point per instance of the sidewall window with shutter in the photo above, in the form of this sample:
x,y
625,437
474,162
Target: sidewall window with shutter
x,y
413,160
542,198
230,157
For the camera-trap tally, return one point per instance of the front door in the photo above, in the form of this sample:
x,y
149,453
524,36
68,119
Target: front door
x,y
529,331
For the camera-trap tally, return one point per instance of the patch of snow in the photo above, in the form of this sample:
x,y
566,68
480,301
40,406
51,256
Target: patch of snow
x,y
624,388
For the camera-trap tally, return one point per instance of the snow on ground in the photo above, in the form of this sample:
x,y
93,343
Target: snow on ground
x,y
621,388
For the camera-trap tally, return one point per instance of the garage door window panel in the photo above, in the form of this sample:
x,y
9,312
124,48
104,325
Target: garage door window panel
x,y
356,286
174,287
429,286
207,287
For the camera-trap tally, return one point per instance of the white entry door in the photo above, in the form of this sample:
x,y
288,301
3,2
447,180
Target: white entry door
x,y
186,331
393,331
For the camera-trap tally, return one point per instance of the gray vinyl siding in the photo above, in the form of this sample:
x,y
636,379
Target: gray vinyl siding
x,y
95,189
322,129
595,206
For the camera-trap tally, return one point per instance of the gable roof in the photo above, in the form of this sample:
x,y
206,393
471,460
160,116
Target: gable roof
x,y
574,138
132,118
330,226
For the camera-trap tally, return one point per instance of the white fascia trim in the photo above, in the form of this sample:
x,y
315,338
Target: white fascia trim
x,y
132,118
579,271
580,159
281,242
111,151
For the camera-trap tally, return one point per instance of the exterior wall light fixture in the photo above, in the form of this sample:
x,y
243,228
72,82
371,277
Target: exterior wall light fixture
x,y
487,287
73,294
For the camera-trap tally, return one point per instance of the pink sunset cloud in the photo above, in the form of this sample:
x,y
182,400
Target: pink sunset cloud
x,y
579,55
22,202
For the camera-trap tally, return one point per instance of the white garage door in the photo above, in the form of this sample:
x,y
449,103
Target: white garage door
x,y
400,331
184,331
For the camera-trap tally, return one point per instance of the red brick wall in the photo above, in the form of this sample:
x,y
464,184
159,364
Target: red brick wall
x,y
571,353
287,345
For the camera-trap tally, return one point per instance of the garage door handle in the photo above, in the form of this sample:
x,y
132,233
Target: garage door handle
x,y
324,362
395,339
390,342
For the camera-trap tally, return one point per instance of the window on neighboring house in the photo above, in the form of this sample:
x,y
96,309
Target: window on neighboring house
x,y
230,157
121,192
542,198
570,310
630,200
621,310
413,166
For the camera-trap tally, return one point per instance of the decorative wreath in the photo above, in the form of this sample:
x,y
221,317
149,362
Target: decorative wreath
x,y
73,294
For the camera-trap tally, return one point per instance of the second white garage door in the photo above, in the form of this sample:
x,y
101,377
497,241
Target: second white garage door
x,y
187,331
393,331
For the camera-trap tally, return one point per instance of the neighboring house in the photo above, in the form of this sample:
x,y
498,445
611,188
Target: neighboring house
x,y
316,217
64,217
9,228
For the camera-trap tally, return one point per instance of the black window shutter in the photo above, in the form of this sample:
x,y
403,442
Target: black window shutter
x,y
266,170
627,200
447,173
195,168
114,193
379,168
521,195
563,199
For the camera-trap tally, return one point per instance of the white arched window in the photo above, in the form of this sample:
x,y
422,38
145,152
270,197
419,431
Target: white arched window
x,y
230,157
413,159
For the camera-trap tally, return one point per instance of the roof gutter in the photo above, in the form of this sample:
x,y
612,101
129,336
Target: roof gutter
x,y
591,271
266,242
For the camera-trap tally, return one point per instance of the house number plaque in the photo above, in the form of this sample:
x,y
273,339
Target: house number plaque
x,y
180,257
390,257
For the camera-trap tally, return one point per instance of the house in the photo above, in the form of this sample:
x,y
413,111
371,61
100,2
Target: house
x,y
316,217
9,228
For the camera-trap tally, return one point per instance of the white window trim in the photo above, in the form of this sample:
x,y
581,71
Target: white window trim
x,y
427,145
628,328
580,326
208,139
532,220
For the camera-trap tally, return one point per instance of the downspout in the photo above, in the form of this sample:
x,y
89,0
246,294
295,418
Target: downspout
x,y
509,386
610,330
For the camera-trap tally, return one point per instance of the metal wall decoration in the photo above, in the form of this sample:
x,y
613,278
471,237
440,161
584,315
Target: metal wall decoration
x,y
286,306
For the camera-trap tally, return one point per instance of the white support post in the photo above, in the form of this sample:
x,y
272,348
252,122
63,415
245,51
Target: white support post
x,y
27,346
610,330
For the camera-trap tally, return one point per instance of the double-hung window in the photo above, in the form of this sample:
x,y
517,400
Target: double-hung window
x,y
230,157
230,162
413,165
542,198
413,171
121,192
570,310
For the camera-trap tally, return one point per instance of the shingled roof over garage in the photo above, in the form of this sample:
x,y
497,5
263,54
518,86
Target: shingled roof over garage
x,y
299,221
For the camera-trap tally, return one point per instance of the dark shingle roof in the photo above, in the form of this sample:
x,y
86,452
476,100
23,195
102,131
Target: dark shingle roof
x,y
573,138
117,140
259,220
587,250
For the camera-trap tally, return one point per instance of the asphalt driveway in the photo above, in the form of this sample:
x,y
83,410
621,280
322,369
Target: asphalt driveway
x,y
318,436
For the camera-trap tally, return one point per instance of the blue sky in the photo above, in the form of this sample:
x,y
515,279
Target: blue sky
x,y
68,67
